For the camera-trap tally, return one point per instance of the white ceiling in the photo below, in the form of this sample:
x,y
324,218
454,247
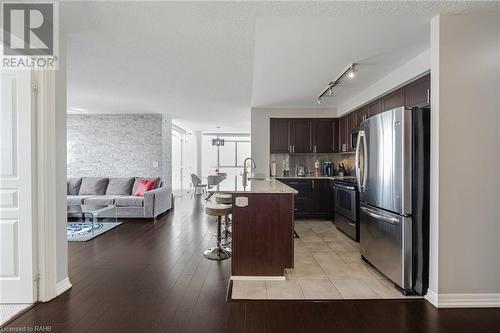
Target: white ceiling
x,y
208,63
295,58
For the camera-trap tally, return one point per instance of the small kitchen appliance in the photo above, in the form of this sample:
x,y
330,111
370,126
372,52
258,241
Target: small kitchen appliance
x,y
328,169
301,170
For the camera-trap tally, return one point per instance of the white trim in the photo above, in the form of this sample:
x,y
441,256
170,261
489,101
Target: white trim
x,y
62,286
258,278
411,70
46,191
463,300
432,297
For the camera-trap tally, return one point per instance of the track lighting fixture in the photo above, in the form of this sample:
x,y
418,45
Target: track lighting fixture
x,y
350,72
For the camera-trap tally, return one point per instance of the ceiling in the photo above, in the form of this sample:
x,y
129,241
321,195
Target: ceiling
x,y
208,63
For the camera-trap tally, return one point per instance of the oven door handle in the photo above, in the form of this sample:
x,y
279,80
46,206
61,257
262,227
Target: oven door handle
x,y
373,214
344,187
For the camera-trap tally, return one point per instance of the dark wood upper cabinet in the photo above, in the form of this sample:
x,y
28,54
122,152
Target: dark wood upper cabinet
x,y
374,108
324,135
393,100
280,135
301,135
418,93
342,136
350,127
361,115
328,135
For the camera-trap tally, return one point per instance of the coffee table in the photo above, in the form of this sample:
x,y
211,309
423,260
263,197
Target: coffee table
x,y
92,219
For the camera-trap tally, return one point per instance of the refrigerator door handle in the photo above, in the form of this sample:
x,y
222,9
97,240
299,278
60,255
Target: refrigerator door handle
x,y
356,162
357,167
373,214
365,160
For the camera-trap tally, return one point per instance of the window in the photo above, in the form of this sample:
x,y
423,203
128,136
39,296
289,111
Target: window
x,y
184,160
228,158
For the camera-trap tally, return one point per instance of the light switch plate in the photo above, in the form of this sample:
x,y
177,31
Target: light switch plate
x,y
155,164
241,201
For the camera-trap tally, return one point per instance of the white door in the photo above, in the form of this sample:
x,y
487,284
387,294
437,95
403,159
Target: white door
x,y
16,212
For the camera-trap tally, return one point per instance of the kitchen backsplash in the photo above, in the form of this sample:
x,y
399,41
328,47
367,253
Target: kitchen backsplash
x,y
282,160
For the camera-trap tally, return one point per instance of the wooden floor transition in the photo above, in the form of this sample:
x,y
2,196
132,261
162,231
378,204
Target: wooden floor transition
x,y
152,277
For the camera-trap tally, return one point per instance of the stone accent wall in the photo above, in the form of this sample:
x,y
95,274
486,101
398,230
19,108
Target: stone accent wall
x,y
118,145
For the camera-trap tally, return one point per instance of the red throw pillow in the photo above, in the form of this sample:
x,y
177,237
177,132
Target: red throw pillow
x,y
144,186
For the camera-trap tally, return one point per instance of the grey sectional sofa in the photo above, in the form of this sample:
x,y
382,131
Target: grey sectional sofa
x,y
119,192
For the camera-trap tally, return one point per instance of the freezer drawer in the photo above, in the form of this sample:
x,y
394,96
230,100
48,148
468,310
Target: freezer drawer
x,y
385,241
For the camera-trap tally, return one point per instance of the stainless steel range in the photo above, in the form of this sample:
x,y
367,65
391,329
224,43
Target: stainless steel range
x,y
345,194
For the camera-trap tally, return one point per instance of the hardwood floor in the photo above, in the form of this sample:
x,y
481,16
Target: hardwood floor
x,y
152,277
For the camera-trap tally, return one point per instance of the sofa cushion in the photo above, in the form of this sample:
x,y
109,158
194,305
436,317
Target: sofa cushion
x,y
101,200
121,186
138,179
129,201
76,199
73,186
93,185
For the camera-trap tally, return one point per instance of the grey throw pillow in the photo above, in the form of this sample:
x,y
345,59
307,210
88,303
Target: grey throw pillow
x,y
73,186
93,185
120,186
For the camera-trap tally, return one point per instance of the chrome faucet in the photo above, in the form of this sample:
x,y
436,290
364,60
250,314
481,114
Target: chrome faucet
x,y
245,172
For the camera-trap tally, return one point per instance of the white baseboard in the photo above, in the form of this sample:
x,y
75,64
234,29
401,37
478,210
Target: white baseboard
x,y
463,300
432,297
259,278
62,286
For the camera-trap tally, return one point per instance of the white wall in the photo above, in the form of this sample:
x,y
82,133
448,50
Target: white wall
x,y
260,130
465,180
197,136
413,69
166,144
61,164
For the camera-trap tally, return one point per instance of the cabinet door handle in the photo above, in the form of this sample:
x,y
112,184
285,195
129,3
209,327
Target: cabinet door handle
x,y
314,148
313,183
428,95
293,149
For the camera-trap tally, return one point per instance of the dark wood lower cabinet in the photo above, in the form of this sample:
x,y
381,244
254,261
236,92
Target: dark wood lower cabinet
x,y
262,235
314,198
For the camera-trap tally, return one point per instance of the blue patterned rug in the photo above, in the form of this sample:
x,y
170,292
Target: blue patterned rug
x,y
82,232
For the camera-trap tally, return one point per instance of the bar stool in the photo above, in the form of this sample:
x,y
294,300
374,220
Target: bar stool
x,y
226,199
219,252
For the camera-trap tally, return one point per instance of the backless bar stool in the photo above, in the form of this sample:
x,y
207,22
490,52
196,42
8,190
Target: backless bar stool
x,y
219,252
226,199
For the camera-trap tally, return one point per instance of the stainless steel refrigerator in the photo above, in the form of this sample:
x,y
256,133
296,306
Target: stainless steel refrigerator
x,y
392,168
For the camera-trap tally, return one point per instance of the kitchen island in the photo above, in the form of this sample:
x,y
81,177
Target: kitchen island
x,y
262,227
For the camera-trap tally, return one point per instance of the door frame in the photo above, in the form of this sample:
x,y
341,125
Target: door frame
x,y
43,87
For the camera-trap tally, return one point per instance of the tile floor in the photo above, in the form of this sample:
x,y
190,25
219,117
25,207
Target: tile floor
x,y
328,265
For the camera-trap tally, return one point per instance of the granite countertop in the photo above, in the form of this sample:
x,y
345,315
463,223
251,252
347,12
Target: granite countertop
x,y
266,185
315,177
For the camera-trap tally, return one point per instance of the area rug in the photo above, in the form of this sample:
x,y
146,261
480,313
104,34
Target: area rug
x,y
82,232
